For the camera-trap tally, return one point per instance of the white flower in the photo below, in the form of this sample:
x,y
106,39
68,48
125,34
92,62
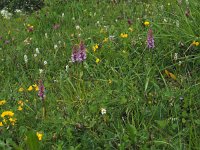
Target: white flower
x,y
25,58
55,46
175,56
63,15
6,14
18,11
78,27
45,62
111,37
40,71
98,23
59,42
37,50
66,68
46,36
177,23
103,111
187,2
180,63
35,55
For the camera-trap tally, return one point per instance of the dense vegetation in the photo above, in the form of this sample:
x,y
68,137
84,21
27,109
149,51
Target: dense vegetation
x,y
101,75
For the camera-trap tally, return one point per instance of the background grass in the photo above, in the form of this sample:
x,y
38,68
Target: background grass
x,y
144,106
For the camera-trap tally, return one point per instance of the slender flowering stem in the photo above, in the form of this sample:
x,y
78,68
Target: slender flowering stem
x,y
78,53
42,96
82,52
150,39
75,54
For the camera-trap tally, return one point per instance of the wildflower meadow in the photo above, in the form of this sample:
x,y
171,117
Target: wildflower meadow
x,y
100,74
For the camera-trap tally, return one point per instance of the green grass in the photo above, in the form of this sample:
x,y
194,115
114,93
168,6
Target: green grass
x,y
143,104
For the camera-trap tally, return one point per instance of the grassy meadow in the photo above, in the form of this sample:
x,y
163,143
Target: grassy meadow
x,y
137,87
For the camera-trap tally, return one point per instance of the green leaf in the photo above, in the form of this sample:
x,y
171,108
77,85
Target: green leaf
x,y
32,141
162,123
132,132
197,121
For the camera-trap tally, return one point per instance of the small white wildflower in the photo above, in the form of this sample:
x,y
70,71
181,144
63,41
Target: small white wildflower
x,y
63,15
18,11
103,111
25,58
37,50
6,14
78,27
46,36
66,68
59,42
111,37
165,20
40,71
73,18
172,119
179,63
98,23
175,56
45,62
177,23
55,46
35,55
79,35
106,28
187,2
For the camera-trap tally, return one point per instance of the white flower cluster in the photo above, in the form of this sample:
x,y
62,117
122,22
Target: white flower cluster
x,y
6,14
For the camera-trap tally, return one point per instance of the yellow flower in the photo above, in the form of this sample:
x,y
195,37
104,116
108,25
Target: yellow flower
x,y
130,29
109,81
195,43
97,60
20,103
30,88
1,124
39,135
20,108
146,23
102,31
95,47
123,35
105,40
21,89
12,121
36,87
2,102
7,113
4,120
